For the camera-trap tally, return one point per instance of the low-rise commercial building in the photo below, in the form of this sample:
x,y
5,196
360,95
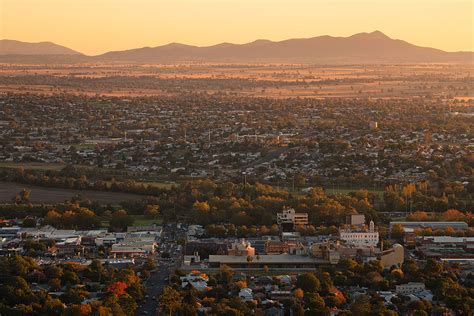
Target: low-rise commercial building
x,y
261,262
290,219
432,225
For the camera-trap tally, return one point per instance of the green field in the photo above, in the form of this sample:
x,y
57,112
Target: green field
x,y
162,185
377,192
139,220
331,191
32,165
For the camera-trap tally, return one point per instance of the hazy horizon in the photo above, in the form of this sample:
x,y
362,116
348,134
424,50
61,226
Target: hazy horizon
x,y
95,27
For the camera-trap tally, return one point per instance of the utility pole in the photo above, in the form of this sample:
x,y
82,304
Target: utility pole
x,y
209,138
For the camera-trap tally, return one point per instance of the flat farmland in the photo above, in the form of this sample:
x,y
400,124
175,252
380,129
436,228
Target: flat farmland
x,y
48,195
256,80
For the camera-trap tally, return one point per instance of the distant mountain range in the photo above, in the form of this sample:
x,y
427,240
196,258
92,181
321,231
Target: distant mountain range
x,y
373,47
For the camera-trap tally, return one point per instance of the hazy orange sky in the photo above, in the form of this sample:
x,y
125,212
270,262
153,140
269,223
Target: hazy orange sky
x,y
96,26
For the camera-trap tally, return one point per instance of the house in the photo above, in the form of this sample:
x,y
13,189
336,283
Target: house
x,y
246,294
195,279
387,296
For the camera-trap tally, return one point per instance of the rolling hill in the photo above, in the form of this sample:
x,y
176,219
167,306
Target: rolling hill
x,y
11,47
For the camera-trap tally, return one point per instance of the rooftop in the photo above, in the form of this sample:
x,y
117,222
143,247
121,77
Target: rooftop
x,y
283,258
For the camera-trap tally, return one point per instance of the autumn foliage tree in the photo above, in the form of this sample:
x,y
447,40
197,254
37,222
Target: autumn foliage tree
x,y
117,288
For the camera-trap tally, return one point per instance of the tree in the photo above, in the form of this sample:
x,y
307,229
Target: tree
x,y
53,307
189,309
74,296
149,264
104,311
80,310
54,284
297,308
397,232
453,215
25,195
70,278
54,271
418,217
308,282
274,230
225,274
117,288
22,197
298,294
112,304
299,180
121,220
29,222
314,302
393,201
170,300
201,207
128,304
53,218
361,306
152,211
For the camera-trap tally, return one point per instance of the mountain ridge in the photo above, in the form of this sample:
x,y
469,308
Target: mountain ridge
x,y
358,48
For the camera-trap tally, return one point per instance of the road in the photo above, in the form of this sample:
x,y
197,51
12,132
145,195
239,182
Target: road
x,y
164,267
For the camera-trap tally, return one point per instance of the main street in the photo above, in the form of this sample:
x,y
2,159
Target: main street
x,y
167,260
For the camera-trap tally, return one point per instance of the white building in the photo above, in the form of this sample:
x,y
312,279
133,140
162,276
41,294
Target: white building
x,y
410,288
360,238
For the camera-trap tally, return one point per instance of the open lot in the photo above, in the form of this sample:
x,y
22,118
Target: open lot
x,y
54,195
